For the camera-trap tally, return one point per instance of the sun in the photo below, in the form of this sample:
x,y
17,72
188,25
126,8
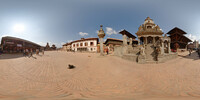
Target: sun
x,y
19,28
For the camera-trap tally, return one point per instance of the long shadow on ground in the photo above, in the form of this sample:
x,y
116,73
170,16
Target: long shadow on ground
x,y
11,56
194,56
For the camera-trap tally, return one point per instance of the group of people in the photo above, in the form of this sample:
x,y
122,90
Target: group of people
x,y
29,53
1,51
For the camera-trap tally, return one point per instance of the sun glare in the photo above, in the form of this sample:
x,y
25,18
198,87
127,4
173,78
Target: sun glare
x,y
19,28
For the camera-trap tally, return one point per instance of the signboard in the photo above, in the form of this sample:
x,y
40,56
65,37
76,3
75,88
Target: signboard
x,y
9,42
19,45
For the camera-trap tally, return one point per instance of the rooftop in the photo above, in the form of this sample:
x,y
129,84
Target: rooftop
x,y
176,29
19,39
127,34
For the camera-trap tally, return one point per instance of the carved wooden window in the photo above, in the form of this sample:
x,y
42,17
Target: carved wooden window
x,y
86,43
81,44
91,43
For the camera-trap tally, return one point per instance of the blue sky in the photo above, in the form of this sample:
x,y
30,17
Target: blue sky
x,y
60,21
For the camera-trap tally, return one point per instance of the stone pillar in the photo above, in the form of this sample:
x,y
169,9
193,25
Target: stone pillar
x,y
124,40
130,41
101,46
101,35
145,40
138,40
169,48
154,40
162,48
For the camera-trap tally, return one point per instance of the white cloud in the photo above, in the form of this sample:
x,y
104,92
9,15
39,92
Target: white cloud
x,y
42,43
83,34
62,43
110,31
69,41
193,37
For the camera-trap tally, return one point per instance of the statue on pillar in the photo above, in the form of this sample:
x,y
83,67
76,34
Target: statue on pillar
x,y
101,35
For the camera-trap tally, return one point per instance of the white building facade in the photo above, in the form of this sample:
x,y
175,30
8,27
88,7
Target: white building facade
x,y
67,47
88,45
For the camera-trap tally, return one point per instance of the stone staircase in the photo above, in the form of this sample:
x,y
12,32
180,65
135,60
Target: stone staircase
x,y
131,50
150,54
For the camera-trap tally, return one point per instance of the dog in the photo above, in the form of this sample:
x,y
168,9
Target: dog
x,y
71,66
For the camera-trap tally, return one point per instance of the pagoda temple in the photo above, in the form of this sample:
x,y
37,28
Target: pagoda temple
x,y
178,40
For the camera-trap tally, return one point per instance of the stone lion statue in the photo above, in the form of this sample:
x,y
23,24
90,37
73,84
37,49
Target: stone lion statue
x,y
142,50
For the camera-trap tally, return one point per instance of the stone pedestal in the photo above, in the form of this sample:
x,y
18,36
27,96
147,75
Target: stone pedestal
x,y
169,50
124,40
141,59
101,46
162,49
124,49
130,41
165,57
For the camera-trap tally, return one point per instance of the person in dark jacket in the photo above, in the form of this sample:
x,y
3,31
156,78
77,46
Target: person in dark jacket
x,y
0,51
198,51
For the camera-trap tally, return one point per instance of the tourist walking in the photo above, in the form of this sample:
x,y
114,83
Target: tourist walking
x,y
24,52
190,51
0,51
31,53
27,52
37,53
42,52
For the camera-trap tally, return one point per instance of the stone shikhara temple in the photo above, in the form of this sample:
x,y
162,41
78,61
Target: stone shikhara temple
x,y
152,46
